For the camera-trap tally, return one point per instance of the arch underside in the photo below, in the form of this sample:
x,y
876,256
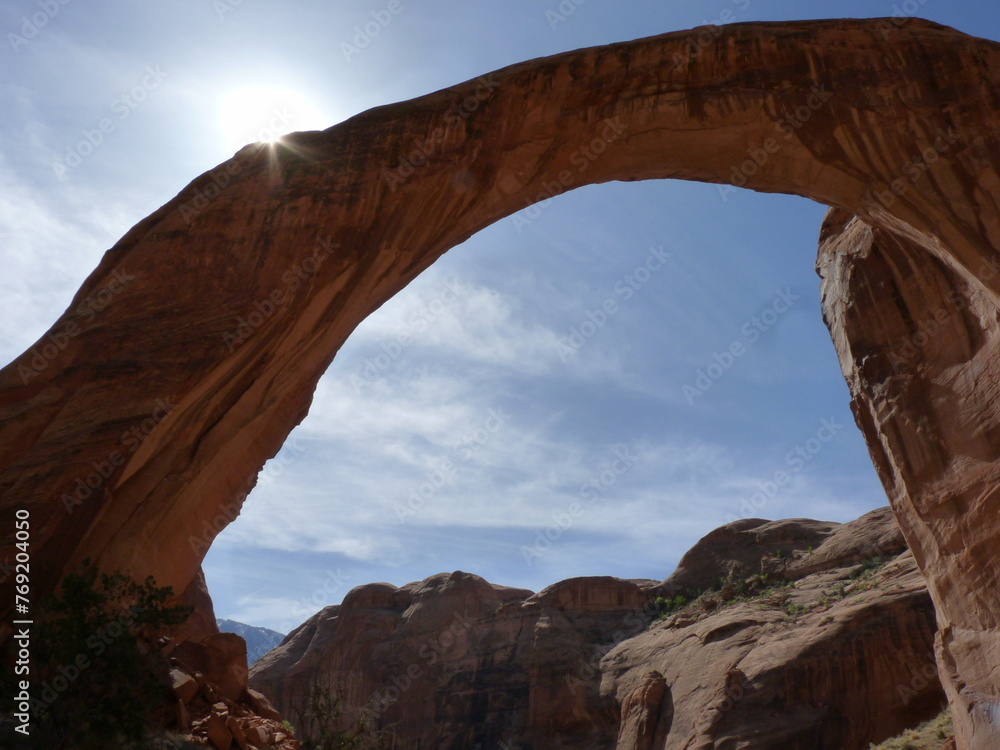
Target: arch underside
x,y
329,225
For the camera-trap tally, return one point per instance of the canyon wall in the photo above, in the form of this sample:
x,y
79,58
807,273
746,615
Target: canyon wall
x,y
831,648
134,428
918,344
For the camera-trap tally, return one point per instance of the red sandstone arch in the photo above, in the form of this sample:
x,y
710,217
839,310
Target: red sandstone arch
x,y
331,224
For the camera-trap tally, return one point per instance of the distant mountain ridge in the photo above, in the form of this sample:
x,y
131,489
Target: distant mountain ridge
x,y
259,640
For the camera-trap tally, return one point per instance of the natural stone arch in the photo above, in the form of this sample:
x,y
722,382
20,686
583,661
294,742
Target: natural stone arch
x,y
303,241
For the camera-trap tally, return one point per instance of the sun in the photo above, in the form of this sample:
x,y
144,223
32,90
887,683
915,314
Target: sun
x,y
262,114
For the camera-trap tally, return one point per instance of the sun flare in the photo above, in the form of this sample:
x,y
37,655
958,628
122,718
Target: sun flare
x,y
262,114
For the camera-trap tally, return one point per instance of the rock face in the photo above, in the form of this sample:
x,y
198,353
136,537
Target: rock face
x,y
140,420
215,707
453,661
259,640
918,345
842,657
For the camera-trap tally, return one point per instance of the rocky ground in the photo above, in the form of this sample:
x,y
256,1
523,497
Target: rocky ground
x,y
214,705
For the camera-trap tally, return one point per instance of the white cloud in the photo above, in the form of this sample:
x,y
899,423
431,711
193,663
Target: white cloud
x,y
433,456
46,257
455,317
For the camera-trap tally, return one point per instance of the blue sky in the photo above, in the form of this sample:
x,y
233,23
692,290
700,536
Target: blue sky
x,y
547,414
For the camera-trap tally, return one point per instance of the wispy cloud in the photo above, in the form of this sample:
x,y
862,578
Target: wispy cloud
x,y
46,257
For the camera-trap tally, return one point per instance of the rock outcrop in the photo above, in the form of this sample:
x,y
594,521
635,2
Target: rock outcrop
x,y
918,344
214,705
833,648
259,640
140,420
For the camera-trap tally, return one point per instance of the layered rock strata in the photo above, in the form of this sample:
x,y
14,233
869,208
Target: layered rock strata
x,y
918,344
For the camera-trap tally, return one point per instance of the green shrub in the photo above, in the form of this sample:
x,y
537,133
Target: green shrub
x,y
792,609
666,606
930,735
95,665
321,715
867,566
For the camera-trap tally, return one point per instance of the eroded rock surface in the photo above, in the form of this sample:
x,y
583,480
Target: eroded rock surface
x,y
918,344
839,658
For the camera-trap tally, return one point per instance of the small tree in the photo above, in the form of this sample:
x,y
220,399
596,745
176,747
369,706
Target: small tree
x,y
663,607
322,709
95,662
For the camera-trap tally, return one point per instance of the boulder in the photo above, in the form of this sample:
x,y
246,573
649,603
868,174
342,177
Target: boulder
x,y
261,706
185,687
239,737
218,732
222,659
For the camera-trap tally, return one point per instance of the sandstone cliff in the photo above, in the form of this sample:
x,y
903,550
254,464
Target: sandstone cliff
x,y
141,419
831,648
917,343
